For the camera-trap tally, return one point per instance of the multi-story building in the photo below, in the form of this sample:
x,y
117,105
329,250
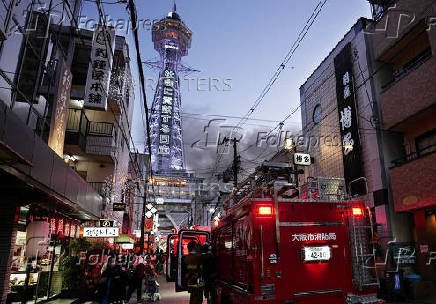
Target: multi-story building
x,y
341,126
41,195
403,38
61,162
97,141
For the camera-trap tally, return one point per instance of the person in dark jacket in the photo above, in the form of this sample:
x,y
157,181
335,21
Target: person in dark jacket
x,y
193,274
114,280
209,272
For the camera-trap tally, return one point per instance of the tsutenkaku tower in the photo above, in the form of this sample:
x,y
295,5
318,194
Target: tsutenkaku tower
x,y
171,38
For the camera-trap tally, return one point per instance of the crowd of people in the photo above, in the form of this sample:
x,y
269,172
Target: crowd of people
x,y
119,276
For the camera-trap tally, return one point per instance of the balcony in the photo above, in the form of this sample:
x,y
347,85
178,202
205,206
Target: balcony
x,y
90,137
413,181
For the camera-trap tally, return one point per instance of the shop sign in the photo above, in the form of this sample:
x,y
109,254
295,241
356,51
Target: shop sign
x,y
127,246
348,123
99,70
101,232
148,225
119,207
302,159
59,119
106,223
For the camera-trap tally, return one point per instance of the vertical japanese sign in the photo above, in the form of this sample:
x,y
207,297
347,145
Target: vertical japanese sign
x,y
99,70
349,127
59,119
166,112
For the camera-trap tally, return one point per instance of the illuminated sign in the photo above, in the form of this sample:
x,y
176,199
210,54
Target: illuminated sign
x,y
166,112
99,70
101,232
59,119
106,223
302,159
127,246
119,207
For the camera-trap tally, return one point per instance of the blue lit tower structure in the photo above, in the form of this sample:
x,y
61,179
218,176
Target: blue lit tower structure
x,y
171,38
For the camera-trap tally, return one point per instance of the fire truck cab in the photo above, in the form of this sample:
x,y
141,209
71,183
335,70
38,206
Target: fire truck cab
x,y
274,249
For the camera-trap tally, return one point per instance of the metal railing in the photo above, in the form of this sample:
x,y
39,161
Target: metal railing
x,y
414,156
101,129
77,121
411,66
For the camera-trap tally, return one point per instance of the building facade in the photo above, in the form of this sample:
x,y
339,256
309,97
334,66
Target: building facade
x,y
54,153
404,53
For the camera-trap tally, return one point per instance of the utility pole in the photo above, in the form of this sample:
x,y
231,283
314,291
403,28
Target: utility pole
x,y
235,165
144,203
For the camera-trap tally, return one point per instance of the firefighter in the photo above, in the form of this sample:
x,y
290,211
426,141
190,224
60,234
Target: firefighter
x,y
193,274
209,272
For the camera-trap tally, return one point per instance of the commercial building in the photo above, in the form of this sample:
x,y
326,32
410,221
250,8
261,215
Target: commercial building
x,y
51,170
368,117
341,126
403,38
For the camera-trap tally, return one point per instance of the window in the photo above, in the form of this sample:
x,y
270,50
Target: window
x,y
317,114
426,143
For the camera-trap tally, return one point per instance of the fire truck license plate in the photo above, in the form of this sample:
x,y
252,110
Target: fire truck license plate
x,y
321,253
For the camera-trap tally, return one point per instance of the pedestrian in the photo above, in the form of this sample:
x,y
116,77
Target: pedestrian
x,y
193,274
136,281
114,280
209,272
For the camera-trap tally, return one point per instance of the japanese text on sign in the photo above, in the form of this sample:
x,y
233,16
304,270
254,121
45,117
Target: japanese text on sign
x,y
302,159
166,112
303,237
345,120
101,232
99,70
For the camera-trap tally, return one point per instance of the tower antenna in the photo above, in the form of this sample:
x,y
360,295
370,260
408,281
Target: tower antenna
x,y
174,7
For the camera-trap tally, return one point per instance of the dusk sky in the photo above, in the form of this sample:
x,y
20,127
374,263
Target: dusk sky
x,y
243,42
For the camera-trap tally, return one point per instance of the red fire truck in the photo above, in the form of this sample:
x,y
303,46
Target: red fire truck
x,y
271,248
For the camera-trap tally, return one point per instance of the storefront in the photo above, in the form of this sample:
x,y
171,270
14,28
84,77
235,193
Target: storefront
x,y
42,239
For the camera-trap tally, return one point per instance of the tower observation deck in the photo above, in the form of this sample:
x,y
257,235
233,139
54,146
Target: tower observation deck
x,y
172,39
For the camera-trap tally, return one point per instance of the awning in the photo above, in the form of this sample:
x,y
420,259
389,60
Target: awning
x,y
124,239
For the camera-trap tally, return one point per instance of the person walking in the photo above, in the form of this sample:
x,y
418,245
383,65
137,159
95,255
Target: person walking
x,y
114,280
136,281
209,272
193,274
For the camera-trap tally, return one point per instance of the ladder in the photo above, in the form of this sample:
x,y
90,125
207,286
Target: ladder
x,y
363,254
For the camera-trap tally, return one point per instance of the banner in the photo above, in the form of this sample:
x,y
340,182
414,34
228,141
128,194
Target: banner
x,y
99,70
59,118
349,128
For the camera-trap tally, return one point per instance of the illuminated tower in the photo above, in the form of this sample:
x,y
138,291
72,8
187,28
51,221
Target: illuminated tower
x,y
171,38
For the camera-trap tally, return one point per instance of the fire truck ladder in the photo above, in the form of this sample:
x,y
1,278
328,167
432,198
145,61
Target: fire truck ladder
x,y
363,255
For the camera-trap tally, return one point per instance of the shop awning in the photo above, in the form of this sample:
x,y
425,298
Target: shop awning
x,y
124,239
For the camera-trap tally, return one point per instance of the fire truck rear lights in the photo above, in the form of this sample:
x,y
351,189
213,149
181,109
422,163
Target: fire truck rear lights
x,y
357,211
264,211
